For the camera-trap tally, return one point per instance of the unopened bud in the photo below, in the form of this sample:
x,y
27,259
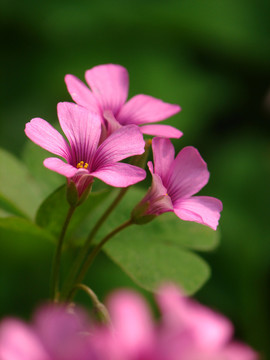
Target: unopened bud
x,y
72,194
139,214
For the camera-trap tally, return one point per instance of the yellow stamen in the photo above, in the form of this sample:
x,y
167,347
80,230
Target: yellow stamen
x,y
82,164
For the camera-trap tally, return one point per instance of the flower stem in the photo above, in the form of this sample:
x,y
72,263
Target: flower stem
x,y
85,249
57,257
99,307
95,251
103,218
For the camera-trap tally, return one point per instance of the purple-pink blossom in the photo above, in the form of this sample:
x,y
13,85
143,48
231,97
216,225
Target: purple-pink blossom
x,y
56,333
107,96
174,182
85,157
186,331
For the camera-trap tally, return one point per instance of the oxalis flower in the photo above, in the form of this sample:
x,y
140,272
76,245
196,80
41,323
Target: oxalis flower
x,y
56,333
187,330
85,158
109,90
174,182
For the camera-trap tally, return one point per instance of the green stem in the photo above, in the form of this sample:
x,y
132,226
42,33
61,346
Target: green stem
x,y
85,249
100,308
103,218
96,250
57,257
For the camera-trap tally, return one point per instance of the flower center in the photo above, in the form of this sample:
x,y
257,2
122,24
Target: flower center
x,y
82,165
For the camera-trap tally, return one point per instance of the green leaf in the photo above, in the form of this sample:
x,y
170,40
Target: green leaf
x,y
7,208
25,265
25,232
189,234
52,212
159,251
19,193
153,261
33,157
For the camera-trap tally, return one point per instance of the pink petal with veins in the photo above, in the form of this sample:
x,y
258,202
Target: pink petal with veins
x,y
188,174
44,135
143,109
201,209
159,201
109,84
163,154
60,167
124,142
82,128
81,94
120,174
165,131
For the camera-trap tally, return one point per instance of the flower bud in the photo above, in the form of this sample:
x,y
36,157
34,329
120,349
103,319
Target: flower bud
x,y
139,214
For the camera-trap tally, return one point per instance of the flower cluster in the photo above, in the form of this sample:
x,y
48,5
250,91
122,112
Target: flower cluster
x,y
186,331
103,129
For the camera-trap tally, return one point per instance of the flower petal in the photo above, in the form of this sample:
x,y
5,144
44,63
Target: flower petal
x,y
109,84
120,174
188,174
210,330
61,332
143,109
19,342
132,322
60,167
112,123
165,131
163,153
122,143
159,201
44,135
238,351
82,182
82,128
201,209
81,94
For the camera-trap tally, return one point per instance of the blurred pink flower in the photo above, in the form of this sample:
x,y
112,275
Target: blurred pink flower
x,y
174,182
109,90
85,158
56,333
187,331
203,334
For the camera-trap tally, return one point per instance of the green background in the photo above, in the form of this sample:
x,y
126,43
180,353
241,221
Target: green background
x,y
211,57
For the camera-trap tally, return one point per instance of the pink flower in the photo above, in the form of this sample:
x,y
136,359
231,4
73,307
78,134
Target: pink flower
x,y
187,331
85,158
56,333
109,90
202,333
175,181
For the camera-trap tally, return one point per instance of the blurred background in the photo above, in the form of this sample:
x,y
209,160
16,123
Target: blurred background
x,y
211,57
